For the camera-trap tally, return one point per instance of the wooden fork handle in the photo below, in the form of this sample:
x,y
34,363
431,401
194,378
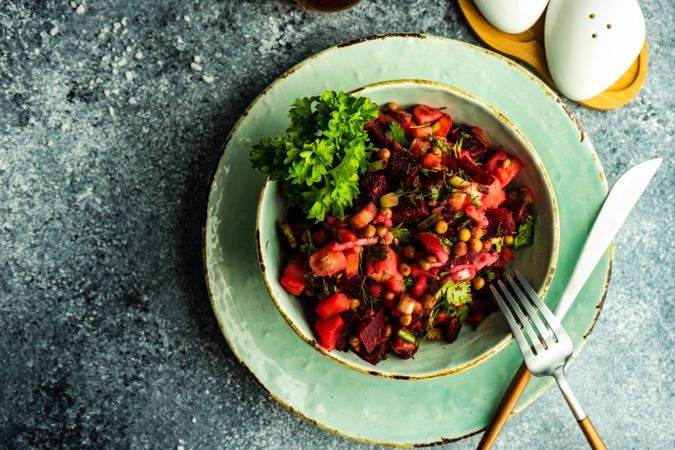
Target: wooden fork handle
x,y
592,436
505,409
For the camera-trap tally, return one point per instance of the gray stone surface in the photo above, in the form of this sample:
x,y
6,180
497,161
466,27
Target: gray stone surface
x,y
107,140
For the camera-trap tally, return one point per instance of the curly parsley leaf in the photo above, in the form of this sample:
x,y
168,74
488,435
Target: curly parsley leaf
x,y
525,234
455,292
323,153
397,134
376,253
404,235
453,299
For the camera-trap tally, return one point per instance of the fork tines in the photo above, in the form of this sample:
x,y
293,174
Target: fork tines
x,y
547,329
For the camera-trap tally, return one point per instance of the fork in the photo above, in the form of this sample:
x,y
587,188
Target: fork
x,y
549,346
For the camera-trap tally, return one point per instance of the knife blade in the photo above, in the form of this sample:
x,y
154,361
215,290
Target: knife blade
x,y
617,206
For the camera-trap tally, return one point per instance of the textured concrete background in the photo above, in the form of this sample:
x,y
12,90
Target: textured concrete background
x,y
107,139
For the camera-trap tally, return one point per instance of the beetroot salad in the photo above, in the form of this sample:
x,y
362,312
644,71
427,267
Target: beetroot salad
x,y
433,222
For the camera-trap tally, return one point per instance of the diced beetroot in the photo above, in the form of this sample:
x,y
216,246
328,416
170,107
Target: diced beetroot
x,y
334,304
371,331
376,290
419,287
363,217
442,126
495,160
508,170
518,209
378,132
477,174
431,161
352,262
426,114
494,197
326,262
329,330
463,272
458,201
478,216
421,132
501,222
518,201
350,317
434,244
403,348
419,147
479,309
321,237
434,182
474,139
382,270
373,186
459,260
400,116
401,165
351,287
528,196
408,209
504,257
294,286
377,354
451,329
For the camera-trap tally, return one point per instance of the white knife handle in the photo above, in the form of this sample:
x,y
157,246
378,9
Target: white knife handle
x,y
618,205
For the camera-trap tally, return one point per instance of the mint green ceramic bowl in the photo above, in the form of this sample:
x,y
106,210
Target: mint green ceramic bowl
x,y
537,262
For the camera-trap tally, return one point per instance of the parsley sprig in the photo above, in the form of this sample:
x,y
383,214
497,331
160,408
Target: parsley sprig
x,y
324,151
397,134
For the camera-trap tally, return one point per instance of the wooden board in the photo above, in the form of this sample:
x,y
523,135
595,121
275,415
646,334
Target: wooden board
x,y
528,47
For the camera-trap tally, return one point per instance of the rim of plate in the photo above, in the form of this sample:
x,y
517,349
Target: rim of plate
x,y
532,77
552,263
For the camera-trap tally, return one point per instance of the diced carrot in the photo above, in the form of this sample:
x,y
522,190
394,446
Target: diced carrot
x,y
419,147
442,126
431,161
294,286
329,330
352,261
332,305
294,276
508,170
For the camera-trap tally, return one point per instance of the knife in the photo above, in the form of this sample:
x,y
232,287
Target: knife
x,y
617,206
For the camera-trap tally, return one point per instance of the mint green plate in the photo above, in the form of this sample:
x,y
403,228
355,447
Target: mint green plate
x,y
340,399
